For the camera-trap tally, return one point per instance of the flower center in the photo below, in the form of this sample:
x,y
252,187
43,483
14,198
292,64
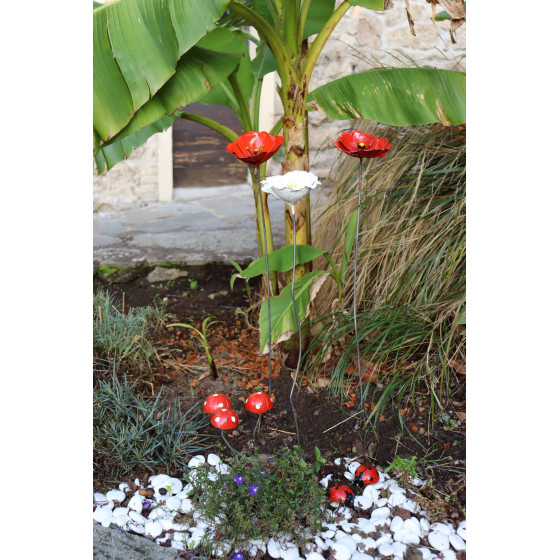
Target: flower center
x,y
254,150
361,145
292,185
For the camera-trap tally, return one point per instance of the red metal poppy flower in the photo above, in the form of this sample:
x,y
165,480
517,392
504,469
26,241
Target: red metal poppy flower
x,y
255,148
361,144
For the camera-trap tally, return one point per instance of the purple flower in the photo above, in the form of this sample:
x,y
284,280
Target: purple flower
x,y
146,504
238,556
255,519
239,479
263,473
253,490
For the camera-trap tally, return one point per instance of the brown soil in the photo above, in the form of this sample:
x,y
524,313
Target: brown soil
x,y
182,371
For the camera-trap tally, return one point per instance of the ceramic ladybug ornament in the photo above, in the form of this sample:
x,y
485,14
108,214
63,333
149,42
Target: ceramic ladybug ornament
x,y
365,475
341,494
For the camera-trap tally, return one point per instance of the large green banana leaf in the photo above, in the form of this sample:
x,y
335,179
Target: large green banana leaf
x,y
396,96
197,72
319,12
136,48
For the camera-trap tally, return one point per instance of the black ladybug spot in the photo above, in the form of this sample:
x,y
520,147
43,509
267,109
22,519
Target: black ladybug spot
x,y
162,491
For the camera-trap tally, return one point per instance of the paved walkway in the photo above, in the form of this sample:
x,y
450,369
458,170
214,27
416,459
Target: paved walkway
x,y
199,226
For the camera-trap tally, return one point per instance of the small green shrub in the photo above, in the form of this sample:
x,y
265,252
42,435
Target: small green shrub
x,y
406,466
132,431
262,498
125,337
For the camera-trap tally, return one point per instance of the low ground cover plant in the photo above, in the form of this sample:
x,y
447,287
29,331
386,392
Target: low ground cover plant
x,y
262,497
128,339
131,431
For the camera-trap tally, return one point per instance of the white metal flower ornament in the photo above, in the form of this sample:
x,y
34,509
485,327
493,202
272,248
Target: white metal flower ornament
x,y
291,187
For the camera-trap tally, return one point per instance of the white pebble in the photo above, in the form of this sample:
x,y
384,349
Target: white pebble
x,y
124,486
449,555
396,499
329,534
178,545
325,481
116,495
352,467
411,538
222,468
413,525
368,544
371,493
386,549
173,503
457,542
442,528
213,459
120,520
136,502
186,506
411,506
398,549
396,524
438,540
196,462
136,517
136,528
314,556
424,524
100,499
462,530
153,529
120,511
426,554
380,513
348,542
363,502
103,515
338,461
274,548
340,551
349,476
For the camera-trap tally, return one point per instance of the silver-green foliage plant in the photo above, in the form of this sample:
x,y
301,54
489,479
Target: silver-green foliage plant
x,y
126,338
131,431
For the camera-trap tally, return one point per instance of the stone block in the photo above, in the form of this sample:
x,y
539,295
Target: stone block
x,y
426,37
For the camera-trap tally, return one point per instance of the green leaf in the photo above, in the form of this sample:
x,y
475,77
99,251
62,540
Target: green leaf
x,y
114,152
281,260
348,244
283,317
319,13
136,47
371,4
197,72
396,96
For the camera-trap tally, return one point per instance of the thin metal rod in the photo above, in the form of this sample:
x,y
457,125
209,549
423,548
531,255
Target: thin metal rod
x,y
256,429
298,322
355,297
228,444
268,286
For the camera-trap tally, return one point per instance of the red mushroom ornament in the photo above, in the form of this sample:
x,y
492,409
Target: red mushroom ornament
x,y
342,494
215,402
225,419
259,403
365,475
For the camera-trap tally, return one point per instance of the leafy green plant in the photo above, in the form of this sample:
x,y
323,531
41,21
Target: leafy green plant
x,y
127,338
262,498
407,466
203,337
193,284
131,431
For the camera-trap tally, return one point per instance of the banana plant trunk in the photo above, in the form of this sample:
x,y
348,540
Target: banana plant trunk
x,y
297,159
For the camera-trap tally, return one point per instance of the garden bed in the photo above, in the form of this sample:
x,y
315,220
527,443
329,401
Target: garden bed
x,y
181,371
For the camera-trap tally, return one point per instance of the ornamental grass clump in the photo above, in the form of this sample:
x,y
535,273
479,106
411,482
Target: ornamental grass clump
x,y
131,431
410,281
128,339
261,499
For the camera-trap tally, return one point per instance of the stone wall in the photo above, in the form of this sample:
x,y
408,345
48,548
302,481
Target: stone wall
x,y
364,40
131,183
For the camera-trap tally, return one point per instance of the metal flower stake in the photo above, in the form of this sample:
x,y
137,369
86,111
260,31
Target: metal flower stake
x,y
290,189
360,144
254,148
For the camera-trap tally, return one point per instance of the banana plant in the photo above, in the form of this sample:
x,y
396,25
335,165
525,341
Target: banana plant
x,y
154,57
